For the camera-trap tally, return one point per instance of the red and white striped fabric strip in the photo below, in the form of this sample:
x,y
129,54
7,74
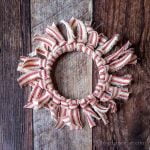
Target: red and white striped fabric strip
x,y
72,120
121,62
97,92
103,69
93,39
35,92
69,120
118,53
88,110
34,83
91,100
85,49
44,74
73,23
48,84
23,58
112,106
113,91
28,77
41,51
56,100
99,108
71,47
43,84
90,120
62,113
56,97
50,61
43,63
98,60
28,63
77,118
89,113
101,112
73,104
133,60
121,81
54,109
107,46
32,75
118,93
81,32
33,63
40,82
83,103
57,53
102,39
103,86
81,48
54,32
29,105
99,54
103,73
104,77
105,97
70,34
67,48
123,94
41,101
64,103
51,58
51,42
60,124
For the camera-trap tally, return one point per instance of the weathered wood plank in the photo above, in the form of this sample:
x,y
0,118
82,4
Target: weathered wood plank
x,y
129,128
15,122
73,74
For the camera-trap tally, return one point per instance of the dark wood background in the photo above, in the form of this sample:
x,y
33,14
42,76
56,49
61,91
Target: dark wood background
x,y
75,75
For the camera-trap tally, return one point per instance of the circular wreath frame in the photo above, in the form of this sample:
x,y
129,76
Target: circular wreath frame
x,y
37,68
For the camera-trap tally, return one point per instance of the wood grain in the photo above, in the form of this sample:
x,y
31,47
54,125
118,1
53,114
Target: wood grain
x,y
15,122
73,76
129,128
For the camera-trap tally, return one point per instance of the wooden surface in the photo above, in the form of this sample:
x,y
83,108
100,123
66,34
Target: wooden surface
x,y
75,75
15,122
129,128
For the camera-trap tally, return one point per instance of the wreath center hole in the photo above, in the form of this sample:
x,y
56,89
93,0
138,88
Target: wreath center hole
x,y
72,75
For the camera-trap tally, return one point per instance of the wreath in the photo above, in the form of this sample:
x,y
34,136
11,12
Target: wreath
x,y
38,66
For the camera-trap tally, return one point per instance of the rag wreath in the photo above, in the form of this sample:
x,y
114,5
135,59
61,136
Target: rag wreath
x,y
37,68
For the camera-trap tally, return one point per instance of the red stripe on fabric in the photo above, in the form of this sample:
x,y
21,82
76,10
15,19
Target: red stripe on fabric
x,y
40,51
28,66
80,31
43,40
59,36
119,60
26,76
